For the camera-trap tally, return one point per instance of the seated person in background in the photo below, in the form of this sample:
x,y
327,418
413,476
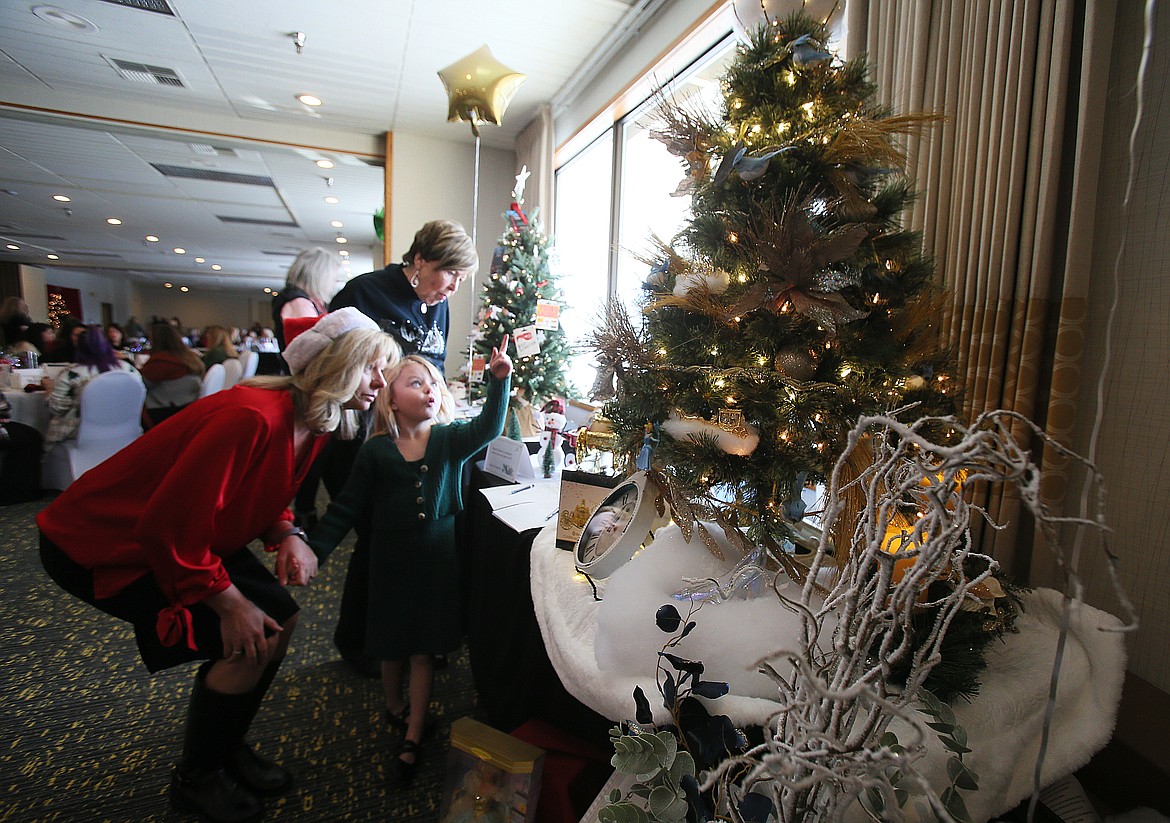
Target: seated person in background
x,y
38,338
64,350
217,345
266,342
173,374
116,336
92,356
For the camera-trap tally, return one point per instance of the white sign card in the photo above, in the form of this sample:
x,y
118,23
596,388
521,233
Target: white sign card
x,y
508,459
548,313
526,342
478,364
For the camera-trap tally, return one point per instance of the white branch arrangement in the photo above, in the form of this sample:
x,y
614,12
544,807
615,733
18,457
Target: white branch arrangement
x,y
828,749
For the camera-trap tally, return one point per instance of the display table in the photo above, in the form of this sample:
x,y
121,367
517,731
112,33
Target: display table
x,y
509,665
1003,723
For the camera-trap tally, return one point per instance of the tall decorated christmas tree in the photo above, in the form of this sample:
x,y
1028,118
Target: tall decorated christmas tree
x,y
792,301
521,299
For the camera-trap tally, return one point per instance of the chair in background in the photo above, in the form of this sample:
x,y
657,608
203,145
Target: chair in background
x,y
213,381
233,371
251,361
111,419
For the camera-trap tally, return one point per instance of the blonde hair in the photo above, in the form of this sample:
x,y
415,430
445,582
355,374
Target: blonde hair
x,y
217,337
385,422
446,243
329,380
315,271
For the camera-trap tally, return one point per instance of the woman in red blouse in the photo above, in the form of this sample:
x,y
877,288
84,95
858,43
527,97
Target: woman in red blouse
x,y
157,535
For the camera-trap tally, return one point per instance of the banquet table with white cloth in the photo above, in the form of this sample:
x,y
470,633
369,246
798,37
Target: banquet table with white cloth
x,y
29,408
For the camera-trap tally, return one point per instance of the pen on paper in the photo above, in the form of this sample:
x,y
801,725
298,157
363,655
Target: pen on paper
x,y
521,489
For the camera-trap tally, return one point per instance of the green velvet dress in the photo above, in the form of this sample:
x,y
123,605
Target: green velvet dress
x,y
414,605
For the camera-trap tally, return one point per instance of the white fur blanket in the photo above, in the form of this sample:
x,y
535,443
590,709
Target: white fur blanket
x,y
602,650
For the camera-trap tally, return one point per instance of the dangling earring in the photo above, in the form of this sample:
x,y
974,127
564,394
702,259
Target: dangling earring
x,y
414,278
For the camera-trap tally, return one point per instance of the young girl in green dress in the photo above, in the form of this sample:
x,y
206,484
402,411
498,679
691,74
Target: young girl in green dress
x,y
406,479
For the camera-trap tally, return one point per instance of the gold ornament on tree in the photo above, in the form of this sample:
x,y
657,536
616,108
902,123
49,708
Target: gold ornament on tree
x,y
796,363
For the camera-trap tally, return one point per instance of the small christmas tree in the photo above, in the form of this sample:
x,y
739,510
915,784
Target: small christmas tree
x,y
791,303
521,299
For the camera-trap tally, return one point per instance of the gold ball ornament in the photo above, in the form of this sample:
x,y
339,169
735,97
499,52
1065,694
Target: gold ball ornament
x,y
479,88
796,363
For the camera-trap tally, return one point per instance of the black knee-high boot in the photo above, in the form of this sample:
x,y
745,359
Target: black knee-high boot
x,y
261,776
200,783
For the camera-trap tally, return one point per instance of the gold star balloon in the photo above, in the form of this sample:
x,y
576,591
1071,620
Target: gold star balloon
x,y
479,88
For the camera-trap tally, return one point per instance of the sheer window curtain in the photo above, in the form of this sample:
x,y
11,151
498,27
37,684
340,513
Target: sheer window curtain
x,y
534,148
1009,185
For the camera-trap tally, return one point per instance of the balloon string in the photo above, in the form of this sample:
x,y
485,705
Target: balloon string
x,y
475,192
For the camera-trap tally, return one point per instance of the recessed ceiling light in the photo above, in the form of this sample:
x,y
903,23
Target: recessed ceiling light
x,y
65,19
341,239
183,288
178,250
61,198
309,99
52,257
332,200
167,286
14,247
150,238
200,260
344,253
267,290
337,224
325,164
216,267
113,221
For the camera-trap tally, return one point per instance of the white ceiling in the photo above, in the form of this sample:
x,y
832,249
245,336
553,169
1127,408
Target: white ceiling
x,y
71,124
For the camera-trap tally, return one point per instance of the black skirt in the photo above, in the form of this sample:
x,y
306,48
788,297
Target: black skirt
x,y
141,601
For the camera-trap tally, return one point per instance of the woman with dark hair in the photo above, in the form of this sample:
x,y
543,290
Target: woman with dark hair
x,y
116,336
137,539
65,348
92,356
173,373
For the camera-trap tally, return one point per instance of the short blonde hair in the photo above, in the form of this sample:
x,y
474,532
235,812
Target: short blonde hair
x,y
385,421
329,380
315,271
446,243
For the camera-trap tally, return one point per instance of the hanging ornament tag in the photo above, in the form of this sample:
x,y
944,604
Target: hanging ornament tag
x,y
478,364
548,313
526,341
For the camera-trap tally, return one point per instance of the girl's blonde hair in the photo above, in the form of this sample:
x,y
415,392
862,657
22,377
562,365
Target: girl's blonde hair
x,y
384,420
329,380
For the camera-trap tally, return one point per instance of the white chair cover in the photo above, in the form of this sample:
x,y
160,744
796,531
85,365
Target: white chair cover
x,y
214,380
233,371
111,418
251,361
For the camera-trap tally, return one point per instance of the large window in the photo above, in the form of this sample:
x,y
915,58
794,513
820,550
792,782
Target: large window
x,y
584,192
600,237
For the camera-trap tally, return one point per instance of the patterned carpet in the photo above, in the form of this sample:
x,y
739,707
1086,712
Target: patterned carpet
x,y
86,734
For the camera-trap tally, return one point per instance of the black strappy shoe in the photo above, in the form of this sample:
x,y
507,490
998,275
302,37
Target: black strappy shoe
x,y
404,771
